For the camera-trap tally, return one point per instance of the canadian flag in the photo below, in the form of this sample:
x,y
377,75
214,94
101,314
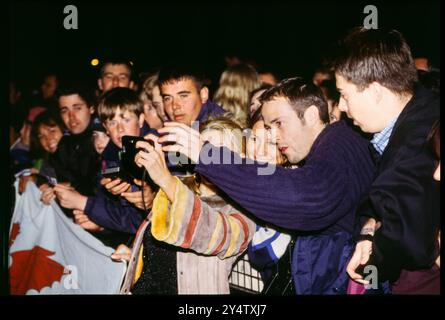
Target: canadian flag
x,y
50,254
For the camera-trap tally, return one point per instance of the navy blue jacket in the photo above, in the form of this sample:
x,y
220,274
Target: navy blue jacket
x,y
404,196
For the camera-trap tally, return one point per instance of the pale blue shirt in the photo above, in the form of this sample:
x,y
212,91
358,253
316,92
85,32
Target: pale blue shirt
x,y
381,139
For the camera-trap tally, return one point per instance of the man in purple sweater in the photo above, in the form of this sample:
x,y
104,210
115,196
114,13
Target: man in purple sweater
x,y
318,199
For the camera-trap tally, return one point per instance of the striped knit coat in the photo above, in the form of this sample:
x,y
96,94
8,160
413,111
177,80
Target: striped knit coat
x,y
214,231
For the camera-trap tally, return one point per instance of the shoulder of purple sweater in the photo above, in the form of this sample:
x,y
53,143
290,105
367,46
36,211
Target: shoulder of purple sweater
x,y
337,135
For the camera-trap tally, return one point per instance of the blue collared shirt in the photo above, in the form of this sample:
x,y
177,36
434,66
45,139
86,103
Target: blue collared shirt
x,y
381,139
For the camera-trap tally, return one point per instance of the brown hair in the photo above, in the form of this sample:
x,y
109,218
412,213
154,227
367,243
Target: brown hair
x,y
301,95
383,56
123,98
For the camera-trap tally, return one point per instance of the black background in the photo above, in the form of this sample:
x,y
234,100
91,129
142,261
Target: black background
x,y
287,38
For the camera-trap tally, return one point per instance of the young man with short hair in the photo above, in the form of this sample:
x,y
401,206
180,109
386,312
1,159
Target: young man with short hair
x,y
75,160
377,79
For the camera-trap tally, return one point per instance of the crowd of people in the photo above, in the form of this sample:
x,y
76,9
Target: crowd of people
x,y
346,164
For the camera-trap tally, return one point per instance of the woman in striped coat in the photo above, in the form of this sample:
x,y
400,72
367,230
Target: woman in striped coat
x,y
210,231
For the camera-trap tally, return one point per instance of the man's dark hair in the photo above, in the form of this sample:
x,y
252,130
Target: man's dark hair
x,y
368,55
178,70
254,118
301,95
84,93
115,61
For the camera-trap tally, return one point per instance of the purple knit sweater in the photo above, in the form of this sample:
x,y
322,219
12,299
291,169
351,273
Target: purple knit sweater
x,y
320,197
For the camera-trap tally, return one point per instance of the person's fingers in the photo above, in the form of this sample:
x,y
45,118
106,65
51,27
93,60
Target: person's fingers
x,y
47,192
81,219
47,198
77,212
122,252
362,281
63,186
158,146
171,137
113,183
91,226
43,187
120,256
105,181
144,145
172,148
137,182
121,188
132,196
123,249
151,137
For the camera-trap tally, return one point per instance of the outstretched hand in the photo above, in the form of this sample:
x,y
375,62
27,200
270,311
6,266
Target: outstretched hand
x,y
185,140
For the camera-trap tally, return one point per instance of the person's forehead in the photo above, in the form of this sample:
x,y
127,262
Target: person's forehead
x,y
116,69
183,84
50,79
342,83
276,107
44,128
258,125
71,99
119,114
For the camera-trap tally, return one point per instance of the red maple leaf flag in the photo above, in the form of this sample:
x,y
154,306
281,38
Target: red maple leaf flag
x,y
32,269
50,254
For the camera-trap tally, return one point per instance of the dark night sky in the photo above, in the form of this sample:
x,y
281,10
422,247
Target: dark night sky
x,y
289,38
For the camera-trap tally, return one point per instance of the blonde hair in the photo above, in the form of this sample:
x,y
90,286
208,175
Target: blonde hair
x,y
235,85
147,87
232,135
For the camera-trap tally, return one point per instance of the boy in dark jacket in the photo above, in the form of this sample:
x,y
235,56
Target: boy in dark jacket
x,y
377,78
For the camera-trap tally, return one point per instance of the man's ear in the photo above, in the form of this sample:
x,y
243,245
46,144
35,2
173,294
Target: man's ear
x,y
377,91
100,84
91,109
132,86
311,116
141,120
204,94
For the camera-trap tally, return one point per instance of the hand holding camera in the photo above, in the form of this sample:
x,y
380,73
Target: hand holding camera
x,y
152,158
